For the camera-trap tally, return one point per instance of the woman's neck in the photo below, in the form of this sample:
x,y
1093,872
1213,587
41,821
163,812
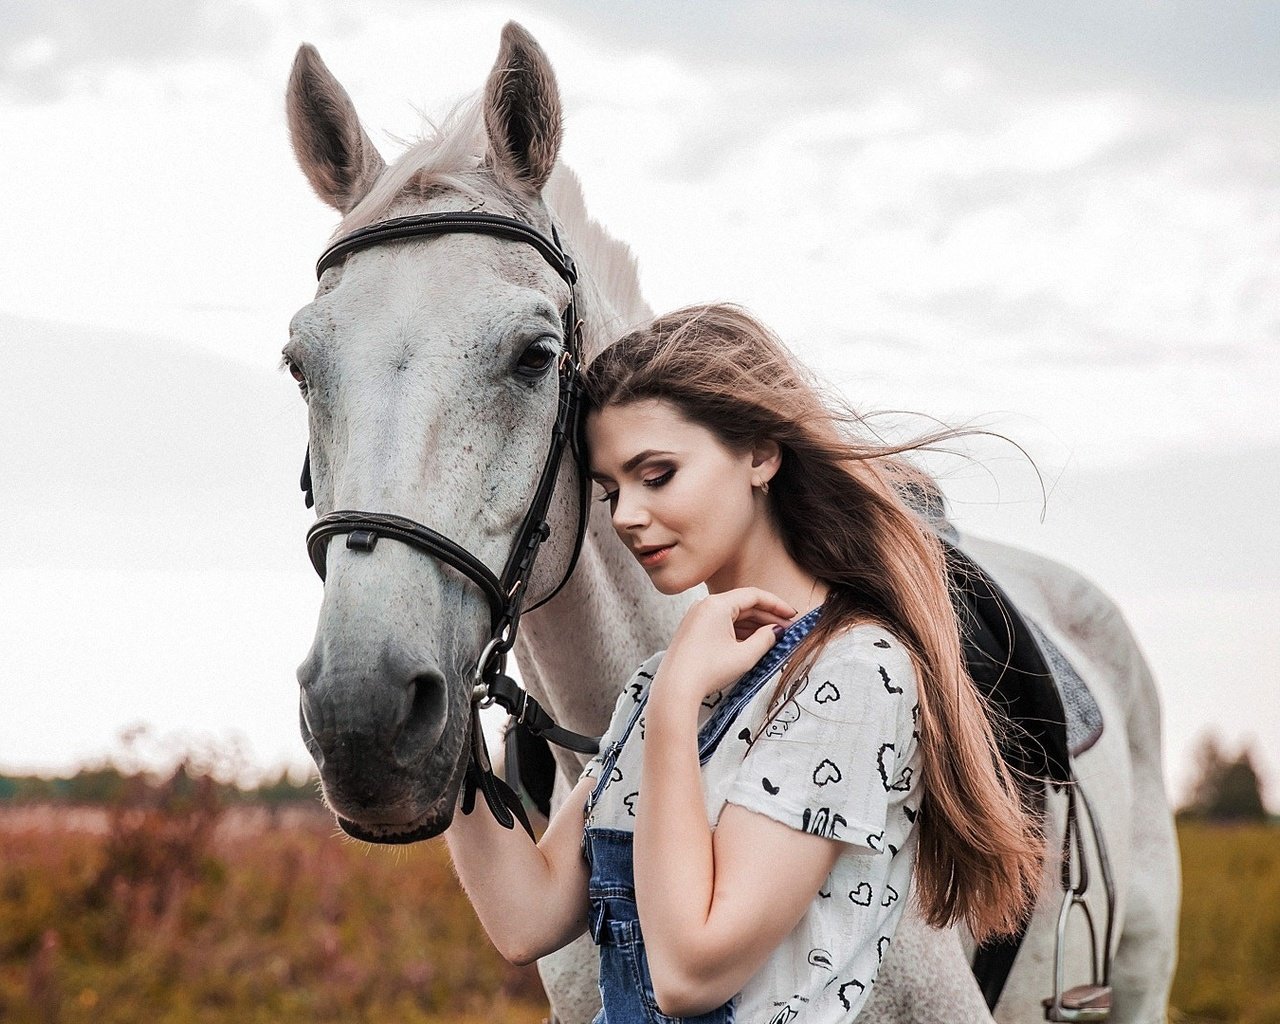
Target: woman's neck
x,y
765,563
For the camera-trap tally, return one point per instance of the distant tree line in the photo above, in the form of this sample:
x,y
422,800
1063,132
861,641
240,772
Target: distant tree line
x,y
1226,787
110,785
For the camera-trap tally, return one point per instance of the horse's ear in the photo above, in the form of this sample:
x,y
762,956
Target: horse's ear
x,y
333,150
522,111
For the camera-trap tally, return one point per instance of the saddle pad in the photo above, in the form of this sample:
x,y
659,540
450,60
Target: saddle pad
x,y
1084,717
1021,670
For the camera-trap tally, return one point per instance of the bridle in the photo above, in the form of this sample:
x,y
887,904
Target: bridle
x,y
504,593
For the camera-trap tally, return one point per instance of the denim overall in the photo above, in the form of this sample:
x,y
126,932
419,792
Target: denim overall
x,y
626,988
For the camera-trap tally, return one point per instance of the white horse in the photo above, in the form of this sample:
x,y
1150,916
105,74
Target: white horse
x,y
420,362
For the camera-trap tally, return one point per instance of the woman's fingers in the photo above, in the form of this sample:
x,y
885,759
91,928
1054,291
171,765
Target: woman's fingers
x,y
755,618
760,642
745,625
765,606
751,609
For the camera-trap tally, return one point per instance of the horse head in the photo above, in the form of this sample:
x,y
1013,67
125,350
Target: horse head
x,y
429,368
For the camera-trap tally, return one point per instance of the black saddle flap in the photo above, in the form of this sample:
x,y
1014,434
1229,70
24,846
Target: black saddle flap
x,y
1009,669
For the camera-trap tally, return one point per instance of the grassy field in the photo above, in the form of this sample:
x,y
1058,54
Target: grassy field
x,y
1229,940
208,915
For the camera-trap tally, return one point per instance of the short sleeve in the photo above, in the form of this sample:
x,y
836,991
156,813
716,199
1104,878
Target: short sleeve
x,y
836,754
630,697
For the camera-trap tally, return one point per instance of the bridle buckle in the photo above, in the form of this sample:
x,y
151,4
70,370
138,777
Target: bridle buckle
x,y
492,661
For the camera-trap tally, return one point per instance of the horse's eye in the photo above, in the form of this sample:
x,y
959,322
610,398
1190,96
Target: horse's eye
x,y
295,371
535,360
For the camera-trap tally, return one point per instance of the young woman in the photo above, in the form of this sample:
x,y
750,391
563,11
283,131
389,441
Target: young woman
x,y
808,752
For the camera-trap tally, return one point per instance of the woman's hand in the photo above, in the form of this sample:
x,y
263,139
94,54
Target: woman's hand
x,y
720,638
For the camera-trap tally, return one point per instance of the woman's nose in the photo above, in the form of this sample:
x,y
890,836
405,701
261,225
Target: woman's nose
x,y
630,511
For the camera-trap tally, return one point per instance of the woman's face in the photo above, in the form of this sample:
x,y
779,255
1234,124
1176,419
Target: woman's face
x,y
682,502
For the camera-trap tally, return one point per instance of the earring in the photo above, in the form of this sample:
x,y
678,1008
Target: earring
x,y
764,487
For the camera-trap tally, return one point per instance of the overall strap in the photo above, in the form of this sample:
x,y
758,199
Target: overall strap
x,y
746,688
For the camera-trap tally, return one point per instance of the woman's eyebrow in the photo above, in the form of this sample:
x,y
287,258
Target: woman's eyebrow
x,y
641,456
631,463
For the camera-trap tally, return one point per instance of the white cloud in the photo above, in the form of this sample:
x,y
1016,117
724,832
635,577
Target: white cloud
x,y
55,47
1224,51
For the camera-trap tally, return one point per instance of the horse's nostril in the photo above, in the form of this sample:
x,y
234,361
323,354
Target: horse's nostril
x,y
426,718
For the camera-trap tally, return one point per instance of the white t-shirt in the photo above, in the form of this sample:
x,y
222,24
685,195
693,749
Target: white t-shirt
x,y
841,760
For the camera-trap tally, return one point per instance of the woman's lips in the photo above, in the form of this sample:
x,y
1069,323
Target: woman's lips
x,y
651,558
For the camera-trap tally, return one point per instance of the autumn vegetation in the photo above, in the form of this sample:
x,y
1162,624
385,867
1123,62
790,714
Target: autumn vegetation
x,y
180,902
186,900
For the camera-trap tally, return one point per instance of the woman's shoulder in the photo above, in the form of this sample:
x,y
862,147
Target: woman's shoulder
x,y
866,642
633,693
651,663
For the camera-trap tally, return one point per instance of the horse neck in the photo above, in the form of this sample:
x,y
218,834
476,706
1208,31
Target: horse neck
x,y
576,651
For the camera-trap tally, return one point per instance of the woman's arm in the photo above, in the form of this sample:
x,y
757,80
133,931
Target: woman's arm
x,y
713,906
531,899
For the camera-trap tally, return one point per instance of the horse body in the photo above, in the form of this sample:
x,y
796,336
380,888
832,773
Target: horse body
x,y
1123,778
418,406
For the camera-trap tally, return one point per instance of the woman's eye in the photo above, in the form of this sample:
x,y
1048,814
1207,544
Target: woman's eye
x,y
652,481
535,360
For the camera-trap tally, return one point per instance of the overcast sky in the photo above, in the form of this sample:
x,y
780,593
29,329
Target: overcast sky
x,y
1064,221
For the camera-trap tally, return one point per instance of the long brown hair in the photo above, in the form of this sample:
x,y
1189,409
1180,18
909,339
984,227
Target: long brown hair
x,y
980,852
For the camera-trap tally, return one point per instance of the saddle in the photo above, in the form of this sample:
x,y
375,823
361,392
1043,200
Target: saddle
x,y
1049,717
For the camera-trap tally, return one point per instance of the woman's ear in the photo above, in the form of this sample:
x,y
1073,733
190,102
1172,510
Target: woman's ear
x,y
766,459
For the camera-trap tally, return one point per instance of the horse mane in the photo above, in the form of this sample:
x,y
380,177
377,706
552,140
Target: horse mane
x,y
608,260
450,156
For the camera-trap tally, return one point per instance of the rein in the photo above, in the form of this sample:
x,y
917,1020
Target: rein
x,y
504,593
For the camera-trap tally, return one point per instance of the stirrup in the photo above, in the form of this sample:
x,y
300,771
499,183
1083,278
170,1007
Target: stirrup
x,y
1082,1003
